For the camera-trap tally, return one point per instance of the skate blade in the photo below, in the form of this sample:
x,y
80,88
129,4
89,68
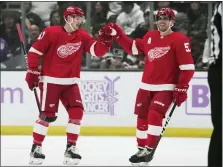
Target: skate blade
x,y
140,164
70,161
35,161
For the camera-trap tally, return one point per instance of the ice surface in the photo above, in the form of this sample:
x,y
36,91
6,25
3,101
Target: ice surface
x,y
106,151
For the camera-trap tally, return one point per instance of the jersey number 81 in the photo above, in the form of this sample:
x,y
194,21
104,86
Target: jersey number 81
x,y
41,35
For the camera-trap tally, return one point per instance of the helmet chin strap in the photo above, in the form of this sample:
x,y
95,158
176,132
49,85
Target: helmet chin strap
x,y
170,26
69,23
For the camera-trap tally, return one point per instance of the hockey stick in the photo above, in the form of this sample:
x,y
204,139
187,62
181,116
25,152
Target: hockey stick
x,y
25,55
164,127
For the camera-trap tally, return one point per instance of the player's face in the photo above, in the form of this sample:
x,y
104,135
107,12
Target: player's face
x,y
76,21
164,22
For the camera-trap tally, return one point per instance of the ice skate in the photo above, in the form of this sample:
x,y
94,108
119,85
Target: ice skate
x,y
36,155
71,157
142,157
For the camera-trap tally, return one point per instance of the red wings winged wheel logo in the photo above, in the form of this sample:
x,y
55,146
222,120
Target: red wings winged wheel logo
x,y
65,50
157,52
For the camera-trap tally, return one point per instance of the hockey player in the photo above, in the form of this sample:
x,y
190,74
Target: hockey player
x,y
60,49
168,70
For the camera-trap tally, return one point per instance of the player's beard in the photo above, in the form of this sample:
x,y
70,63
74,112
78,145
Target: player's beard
x,y
164,27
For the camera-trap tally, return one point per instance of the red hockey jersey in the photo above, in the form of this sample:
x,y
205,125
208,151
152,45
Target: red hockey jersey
x,y
61,54
168,59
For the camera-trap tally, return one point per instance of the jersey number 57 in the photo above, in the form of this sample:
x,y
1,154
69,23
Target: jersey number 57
x,y
186,45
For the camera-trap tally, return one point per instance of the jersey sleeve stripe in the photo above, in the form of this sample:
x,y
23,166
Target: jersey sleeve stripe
x,y
134,48
220,9
187,67
35,51
92,49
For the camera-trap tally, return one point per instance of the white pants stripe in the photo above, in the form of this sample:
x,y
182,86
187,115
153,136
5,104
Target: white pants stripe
x,y
73,128
40,129
155,130
141,134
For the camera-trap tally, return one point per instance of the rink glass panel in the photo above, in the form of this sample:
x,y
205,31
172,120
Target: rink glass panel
x,y
196,27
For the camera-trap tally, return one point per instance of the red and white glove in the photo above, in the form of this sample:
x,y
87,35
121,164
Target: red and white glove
x,y
180,94
104,37
114,30
32,78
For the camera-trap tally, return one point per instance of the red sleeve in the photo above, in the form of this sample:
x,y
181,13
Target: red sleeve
x,y
184,59
38,48
132,47
94,47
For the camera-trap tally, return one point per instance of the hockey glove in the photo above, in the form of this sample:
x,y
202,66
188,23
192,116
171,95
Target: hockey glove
x,y
103,38
32,78
114,30
180,94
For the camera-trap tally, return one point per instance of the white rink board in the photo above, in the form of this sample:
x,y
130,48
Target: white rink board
x,y
109,99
